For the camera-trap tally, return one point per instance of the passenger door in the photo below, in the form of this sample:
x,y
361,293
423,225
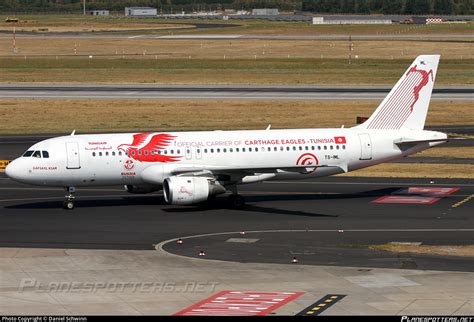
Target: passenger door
x,y
73,160
365,147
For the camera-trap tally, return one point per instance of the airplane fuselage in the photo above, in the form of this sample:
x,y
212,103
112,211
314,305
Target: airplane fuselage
x,y
112,159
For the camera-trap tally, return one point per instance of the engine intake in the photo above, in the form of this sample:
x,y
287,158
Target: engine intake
x,y
190,190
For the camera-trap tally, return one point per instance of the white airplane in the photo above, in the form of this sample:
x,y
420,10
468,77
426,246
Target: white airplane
x,y
191,167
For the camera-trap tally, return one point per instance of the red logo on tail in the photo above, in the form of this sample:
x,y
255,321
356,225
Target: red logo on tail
x,y
424,80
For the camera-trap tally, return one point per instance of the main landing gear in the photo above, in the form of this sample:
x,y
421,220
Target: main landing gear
x,y
235,200
69,202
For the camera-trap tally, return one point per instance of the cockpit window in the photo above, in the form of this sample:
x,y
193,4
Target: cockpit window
x,y
28,153
45,154
37,154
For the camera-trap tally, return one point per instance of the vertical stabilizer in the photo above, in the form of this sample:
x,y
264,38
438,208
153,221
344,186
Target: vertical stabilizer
x,y
406,106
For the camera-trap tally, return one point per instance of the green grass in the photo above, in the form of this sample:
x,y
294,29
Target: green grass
x,y
214,71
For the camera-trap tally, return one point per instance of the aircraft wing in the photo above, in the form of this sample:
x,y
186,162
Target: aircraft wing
x,y
203,170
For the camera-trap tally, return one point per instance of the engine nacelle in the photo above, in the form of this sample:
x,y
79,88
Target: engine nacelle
x,y
189,190
141,189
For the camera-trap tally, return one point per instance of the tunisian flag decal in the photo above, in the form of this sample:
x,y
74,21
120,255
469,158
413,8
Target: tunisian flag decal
x,y
340,139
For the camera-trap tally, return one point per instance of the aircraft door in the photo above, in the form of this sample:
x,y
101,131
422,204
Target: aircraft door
x,y
188,153
365,146
72,150
198,153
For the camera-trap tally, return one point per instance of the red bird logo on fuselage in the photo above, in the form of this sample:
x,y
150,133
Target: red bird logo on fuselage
x,y
147,147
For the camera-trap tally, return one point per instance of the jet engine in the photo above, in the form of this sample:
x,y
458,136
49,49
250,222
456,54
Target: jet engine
x,y
190,190
141,189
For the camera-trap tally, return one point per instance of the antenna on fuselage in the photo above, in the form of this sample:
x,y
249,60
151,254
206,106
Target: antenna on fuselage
x,y
268,127
73,132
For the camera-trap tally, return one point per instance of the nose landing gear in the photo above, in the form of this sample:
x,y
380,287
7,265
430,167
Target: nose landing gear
x,y
68,204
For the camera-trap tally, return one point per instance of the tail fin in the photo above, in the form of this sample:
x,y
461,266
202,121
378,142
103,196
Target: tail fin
x,y
406,106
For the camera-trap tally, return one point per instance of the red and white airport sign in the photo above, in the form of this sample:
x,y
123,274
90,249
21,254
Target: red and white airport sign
x,y
227,303
417,195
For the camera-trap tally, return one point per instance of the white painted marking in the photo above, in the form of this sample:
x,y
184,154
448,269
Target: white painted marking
x,y
242,240
380,280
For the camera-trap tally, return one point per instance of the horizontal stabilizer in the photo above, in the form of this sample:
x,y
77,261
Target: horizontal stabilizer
x,y
408,141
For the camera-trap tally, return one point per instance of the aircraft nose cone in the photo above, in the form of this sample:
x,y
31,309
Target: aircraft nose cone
x,y
13,171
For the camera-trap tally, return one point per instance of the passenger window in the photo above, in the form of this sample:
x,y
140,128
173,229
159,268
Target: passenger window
x,y
218,150
100,154
139,152
28,154
212,150
319,147
343,147
152,152
269,149
330,147
337,147
120,153
146,152
107,153
231,150
312,147
306,148
287,148
236,149
165,151
243,149
113,153
177,151
300,147
37,154
159,151
205,150
133,153
224,150
250,149
294,148
93,154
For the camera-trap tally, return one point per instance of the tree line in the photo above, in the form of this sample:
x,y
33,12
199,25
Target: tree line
x,y
410,7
